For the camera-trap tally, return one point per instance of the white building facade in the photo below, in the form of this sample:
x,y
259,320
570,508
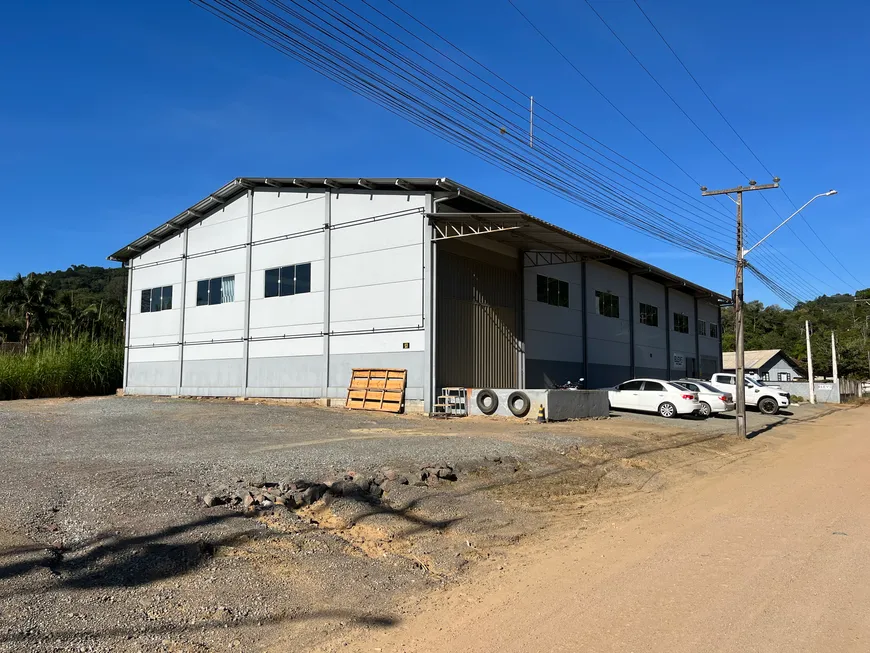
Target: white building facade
x,y
280,287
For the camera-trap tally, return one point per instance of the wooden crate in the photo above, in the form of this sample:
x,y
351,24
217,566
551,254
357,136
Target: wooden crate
x,y
377,389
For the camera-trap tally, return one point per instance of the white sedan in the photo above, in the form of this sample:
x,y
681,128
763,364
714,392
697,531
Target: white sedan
x,y
712,399
654,396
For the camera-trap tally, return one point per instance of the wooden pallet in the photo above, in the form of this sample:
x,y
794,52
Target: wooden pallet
x,y
377,389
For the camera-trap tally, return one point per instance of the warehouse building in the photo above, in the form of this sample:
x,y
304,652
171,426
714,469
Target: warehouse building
x,y
280,287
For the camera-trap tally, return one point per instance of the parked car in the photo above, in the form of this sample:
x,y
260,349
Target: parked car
x,y
768,400
712,399
654,396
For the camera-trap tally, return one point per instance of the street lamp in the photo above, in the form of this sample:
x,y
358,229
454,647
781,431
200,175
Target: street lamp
x,y
811,378
738,292
830,192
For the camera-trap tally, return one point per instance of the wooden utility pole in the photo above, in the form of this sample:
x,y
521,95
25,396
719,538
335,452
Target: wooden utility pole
x,y
834,358
812,377
738,296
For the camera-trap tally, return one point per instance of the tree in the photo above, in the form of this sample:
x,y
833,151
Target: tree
x,y
30,298
75,319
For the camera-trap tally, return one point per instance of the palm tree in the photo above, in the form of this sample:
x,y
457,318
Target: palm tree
x,y
75,319
30,297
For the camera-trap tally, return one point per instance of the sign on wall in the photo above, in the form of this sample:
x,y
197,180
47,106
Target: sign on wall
x,y
678,362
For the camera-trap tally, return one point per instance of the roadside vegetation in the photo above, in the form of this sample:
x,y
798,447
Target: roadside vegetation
x,y
774,327
62,333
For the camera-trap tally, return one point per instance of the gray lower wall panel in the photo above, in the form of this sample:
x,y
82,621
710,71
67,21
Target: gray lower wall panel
x,y
650,372
542,373
163,391
211,391
221,375
285,393
607,376
285,374
342,365
152,374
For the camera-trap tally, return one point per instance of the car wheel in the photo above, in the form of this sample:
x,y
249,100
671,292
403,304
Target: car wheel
x,y
705,411
768,406
668,410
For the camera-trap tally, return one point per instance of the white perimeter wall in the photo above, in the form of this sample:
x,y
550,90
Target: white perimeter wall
x,y
365,307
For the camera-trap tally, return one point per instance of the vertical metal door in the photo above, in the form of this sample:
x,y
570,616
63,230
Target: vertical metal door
x,y
478,312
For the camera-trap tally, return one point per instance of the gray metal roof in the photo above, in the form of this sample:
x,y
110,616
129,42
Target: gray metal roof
x,y
531,234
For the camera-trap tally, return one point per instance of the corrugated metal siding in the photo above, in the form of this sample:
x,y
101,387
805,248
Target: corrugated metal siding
x,y
477,322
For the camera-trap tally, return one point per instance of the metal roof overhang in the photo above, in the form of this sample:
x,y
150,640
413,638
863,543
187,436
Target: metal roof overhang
x,y
541,242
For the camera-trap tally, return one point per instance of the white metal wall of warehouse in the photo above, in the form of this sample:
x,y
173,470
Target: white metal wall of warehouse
x,y
420,274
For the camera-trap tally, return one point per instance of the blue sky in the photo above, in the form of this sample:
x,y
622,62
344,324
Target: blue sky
x,y
116,116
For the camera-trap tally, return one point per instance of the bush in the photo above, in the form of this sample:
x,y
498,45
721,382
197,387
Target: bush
x,y
796,399
62,368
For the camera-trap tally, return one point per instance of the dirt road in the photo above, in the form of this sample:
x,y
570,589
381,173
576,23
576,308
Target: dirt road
x,y
770,553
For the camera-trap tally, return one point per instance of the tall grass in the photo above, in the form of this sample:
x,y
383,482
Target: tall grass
x,y
62,368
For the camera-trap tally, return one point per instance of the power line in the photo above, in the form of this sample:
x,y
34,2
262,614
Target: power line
x,y
606,99
478,137
664,90
377,71
795,278
750,150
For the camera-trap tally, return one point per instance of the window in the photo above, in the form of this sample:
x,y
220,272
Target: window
x,y
652,386
289,280
689,386
220,290
608,305
156,299
631,385
782,376
702,328
552,291
649,315
766,376
714,330
681,323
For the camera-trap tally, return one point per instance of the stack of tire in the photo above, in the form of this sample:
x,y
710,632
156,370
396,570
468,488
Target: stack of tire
x,y
517,402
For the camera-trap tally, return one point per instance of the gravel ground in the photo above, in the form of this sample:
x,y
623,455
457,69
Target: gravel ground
x,y
105,545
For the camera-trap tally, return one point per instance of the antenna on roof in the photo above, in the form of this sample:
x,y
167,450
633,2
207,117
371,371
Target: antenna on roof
x,y
531,120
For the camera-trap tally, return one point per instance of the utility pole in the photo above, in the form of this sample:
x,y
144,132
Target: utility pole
x,y
812,378
834,357
738,296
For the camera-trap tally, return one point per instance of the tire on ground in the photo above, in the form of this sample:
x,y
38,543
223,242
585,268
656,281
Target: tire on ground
x,y
706,411
492,406
768,406
524,403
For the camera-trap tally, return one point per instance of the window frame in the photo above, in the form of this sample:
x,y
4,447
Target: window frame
x,y
156,299
284,277
553,291
714,326
145,304
779,376
683,317
661,387
643,314
214,285
702,327
607,301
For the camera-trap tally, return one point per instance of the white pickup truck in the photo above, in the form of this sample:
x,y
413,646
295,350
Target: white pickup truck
x,y
768,400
